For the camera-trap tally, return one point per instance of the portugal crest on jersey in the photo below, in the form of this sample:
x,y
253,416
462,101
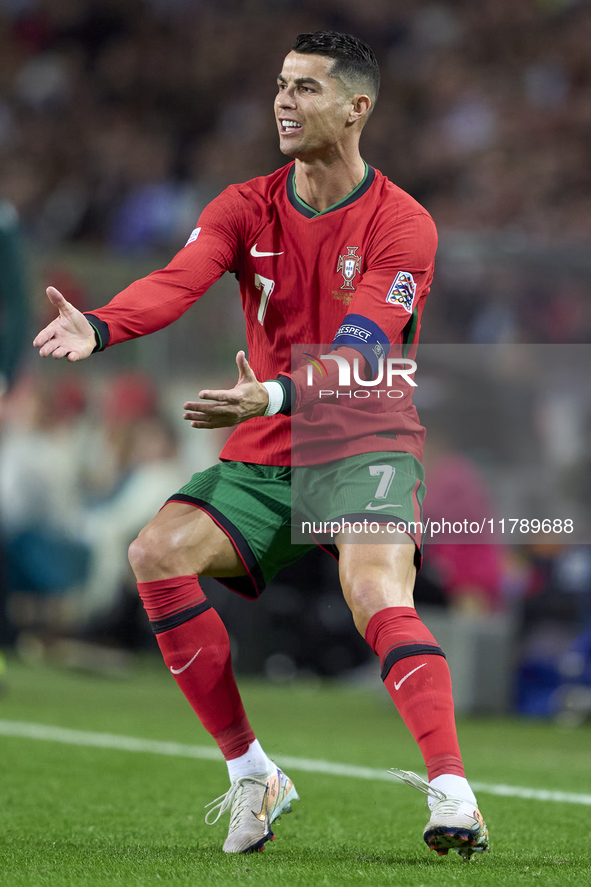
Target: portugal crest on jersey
x,y
349,265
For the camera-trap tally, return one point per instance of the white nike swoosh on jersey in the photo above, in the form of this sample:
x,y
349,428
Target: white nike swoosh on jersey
x,y
179,670
257,255
371,507
398,685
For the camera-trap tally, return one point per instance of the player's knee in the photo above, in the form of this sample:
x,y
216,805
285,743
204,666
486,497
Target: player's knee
x,y
363,596
369,591
148,555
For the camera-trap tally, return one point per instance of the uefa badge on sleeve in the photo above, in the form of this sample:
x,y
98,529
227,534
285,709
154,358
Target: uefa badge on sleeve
x,y
193,236
402,291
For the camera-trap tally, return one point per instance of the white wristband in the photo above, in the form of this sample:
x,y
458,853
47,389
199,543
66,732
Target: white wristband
x,y
276,393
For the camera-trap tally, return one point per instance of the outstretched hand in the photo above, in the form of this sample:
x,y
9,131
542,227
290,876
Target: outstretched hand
x,y
69,335
222,409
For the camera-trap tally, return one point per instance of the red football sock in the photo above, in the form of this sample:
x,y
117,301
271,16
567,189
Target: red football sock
x,y
417,677
196,648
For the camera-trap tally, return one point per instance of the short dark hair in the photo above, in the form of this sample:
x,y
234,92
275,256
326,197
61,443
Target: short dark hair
x,y
354,59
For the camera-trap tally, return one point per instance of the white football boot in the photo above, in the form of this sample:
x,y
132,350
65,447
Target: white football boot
x,y
255,803
455,823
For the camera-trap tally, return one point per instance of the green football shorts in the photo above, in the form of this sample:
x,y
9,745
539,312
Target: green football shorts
x,y
275,514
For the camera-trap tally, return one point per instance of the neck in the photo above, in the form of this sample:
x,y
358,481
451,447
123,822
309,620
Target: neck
x,y
322,183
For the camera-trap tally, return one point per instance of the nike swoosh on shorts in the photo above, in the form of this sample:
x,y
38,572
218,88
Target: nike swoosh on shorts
x,y
371,507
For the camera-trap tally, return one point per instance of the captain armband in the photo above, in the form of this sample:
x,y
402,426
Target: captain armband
x,y
365,336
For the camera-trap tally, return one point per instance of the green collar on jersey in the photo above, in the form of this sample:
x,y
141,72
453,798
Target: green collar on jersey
x,y
303,208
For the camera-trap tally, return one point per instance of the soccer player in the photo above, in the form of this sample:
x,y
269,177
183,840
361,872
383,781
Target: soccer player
x,y
326,249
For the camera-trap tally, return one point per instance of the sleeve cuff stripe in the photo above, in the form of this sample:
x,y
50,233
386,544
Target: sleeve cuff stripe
x,y
101,331
97,336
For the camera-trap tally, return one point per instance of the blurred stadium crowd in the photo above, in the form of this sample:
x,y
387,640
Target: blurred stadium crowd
x,y
120,120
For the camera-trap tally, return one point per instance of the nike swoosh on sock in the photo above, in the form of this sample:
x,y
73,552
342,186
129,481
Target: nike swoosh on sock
x,y
179,670
398,685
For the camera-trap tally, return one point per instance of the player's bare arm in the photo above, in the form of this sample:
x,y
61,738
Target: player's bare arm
x,y
69,335
223,409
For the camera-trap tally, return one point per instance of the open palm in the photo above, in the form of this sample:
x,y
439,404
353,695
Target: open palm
x,y
69,335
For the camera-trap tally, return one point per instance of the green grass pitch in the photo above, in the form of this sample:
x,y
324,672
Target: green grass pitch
x,y
73,816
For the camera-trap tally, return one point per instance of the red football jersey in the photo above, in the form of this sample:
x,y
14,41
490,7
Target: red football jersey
x,y
356,275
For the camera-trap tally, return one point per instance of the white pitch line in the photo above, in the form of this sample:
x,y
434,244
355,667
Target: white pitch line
x,y
26,730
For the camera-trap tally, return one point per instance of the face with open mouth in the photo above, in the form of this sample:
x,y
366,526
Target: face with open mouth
x,y
311,107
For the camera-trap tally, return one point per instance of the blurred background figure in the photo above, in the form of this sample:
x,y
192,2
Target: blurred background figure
x,y
75,489
468,576
14,297
41,490
14,326
141,454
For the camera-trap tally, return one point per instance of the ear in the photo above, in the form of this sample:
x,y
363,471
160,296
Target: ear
x,y
360,108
